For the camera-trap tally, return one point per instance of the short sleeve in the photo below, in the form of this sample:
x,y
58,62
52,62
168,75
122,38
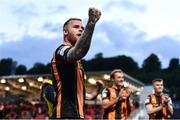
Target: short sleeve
x,y
61,52
170,101
147,101
105,94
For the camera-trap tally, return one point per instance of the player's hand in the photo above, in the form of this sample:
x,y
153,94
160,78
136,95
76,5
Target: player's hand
x,y
94,15
99,83
165,102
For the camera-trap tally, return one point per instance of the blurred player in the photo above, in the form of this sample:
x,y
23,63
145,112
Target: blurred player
x,y
93,95
48,94
158,104
116,102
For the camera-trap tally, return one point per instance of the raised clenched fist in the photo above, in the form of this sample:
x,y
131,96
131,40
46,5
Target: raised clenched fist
x,y
94,15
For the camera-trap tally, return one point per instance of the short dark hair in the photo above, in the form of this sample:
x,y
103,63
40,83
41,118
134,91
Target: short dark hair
x,y
115,71
157,80
66,23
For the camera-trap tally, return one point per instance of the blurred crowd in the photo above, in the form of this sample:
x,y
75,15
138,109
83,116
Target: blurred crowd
x,y
22,109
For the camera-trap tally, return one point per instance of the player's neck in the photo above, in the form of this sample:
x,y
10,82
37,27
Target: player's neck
x,y
117,86
67,42
158,93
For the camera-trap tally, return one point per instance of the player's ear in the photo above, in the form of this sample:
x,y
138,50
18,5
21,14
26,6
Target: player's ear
x,y
65,32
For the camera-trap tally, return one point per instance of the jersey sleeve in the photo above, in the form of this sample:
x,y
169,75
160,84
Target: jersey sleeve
x,y
61,53
169,101
105,94
147,101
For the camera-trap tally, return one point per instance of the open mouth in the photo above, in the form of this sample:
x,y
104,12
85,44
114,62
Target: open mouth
x,y
79,34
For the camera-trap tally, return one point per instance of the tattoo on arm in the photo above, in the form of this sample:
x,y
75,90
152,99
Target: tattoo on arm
x,y
82,45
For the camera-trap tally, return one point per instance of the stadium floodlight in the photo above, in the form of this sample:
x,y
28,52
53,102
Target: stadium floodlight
x,y
3,81
126,84
92,81
137,93
85,77
106,77
24,88
31,84
21,80
7,88
40,79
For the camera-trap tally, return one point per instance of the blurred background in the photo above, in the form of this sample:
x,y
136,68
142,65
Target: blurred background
x,y
140,37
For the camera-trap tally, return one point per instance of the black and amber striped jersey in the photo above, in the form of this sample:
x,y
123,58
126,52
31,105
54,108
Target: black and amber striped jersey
x,y
156,101
69,85
121,109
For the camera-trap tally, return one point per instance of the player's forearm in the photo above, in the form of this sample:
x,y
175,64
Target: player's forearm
x,y
170,108
154,110
110,103
92,95
83,44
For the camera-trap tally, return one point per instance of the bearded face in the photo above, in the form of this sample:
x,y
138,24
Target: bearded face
x,y
73,31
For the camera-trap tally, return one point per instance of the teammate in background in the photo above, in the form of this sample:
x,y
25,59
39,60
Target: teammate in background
x,y
48,94
93,95
158,104
116,101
